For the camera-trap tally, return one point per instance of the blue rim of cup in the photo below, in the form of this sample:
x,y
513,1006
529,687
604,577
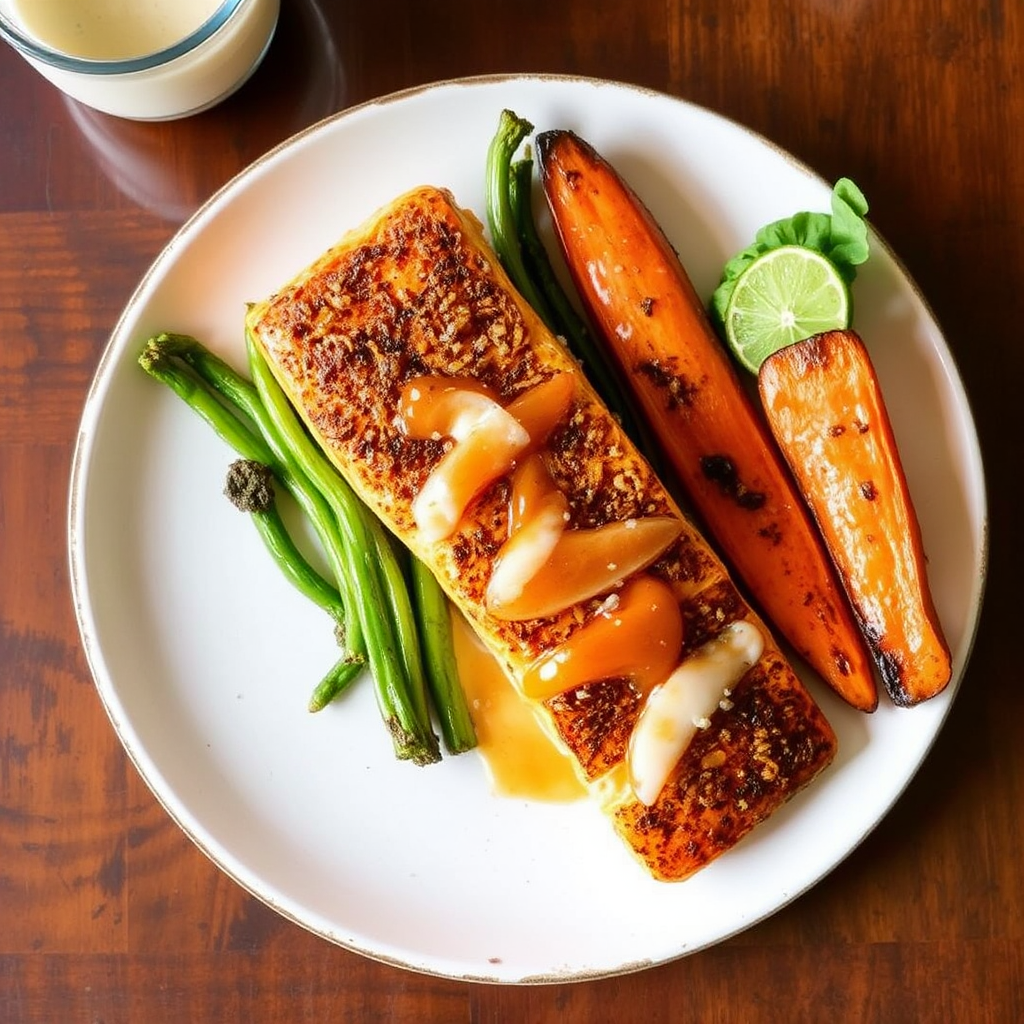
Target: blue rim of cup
x,y
67,62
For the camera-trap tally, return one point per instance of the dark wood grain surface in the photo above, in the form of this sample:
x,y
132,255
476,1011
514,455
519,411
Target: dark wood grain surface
x,y
108,913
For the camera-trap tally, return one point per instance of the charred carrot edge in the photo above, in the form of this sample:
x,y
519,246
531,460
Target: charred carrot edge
x,y
826,410
648,313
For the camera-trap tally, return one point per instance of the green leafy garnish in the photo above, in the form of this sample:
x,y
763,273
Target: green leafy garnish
x,y
840,236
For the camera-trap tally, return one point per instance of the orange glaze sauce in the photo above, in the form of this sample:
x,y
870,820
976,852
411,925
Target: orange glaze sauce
x,y
638,633
542,569
521,759
489,439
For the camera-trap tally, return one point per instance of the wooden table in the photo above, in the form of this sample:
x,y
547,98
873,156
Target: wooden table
x,y
107,912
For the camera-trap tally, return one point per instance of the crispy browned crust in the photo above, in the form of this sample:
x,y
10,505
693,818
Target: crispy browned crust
x,y
418,291
734,775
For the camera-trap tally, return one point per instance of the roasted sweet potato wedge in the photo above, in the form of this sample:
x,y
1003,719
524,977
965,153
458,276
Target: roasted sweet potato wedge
x,y
826,410
641,299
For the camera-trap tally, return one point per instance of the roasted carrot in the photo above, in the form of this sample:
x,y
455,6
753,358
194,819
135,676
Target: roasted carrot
x,y
825,407
648,313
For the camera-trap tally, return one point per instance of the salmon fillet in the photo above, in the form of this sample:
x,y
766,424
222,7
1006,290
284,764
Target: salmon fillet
x,y
416,291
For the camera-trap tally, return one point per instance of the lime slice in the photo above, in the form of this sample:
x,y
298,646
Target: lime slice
x,y
785,295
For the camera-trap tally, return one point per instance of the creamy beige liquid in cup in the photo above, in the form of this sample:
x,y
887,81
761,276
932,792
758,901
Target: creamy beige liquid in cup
x,y
111,29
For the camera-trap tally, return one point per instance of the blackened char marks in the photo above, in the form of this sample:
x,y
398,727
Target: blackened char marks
x,y
721,470
710,611
679,390
734,774
892,671
605,484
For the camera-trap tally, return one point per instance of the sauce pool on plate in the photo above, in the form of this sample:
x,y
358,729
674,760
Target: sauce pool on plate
x,y
521,759
111,29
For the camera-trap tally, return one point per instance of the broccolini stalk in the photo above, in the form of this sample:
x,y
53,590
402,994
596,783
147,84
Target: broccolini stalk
x,y
362,546
173,359
250,488
434,617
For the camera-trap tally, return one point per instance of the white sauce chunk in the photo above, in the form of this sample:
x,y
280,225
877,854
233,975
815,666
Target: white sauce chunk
x,y
685,702
487,440
524,555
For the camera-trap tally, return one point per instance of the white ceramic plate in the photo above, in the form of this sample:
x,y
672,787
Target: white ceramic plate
x,y
204,657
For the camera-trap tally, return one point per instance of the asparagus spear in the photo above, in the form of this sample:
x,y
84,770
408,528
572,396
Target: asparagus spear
x,y
342,674
434,618
401,706
156,359
501,220
510,217
249,487
537,264
163,358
